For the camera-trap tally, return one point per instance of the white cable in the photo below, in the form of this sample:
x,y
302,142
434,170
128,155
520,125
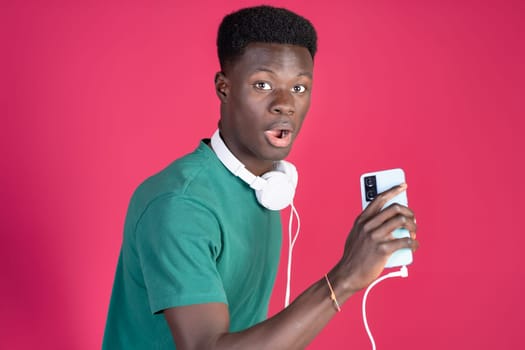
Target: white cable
x,y
291,243
403,272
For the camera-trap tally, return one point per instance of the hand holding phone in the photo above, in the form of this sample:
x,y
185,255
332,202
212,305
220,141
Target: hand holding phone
x,y
375,183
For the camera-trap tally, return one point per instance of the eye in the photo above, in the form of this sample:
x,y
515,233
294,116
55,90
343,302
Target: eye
x,y
262,85
299,88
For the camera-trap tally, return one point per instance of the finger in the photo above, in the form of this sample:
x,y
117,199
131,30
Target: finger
x,y
388,247
399,221
379,202
391,211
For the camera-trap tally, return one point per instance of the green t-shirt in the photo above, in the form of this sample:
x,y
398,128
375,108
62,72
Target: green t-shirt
x,y
194,233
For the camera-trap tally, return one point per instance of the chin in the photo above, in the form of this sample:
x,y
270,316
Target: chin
x,y
279,154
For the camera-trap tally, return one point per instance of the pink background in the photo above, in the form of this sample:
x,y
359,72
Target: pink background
x,y
96,97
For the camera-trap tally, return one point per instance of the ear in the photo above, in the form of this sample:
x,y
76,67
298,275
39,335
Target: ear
x,y
222,86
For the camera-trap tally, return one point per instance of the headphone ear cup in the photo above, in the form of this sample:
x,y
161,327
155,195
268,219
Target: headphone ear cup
x,y
278,192
290,170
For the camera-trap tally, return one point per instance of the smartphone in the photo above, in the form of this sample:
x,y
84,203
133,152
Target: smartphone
x,y
379,181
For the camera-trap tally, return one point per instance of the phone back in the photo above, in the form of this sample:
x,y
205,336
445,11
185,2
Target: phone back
x,y
376,182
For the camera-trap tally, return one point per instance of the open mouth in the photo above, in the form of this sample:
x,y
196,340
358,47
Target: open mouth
x,y
279,137
283,134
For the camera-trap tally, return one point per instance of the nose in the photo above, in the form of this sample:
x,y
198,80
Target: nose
x,y
283,103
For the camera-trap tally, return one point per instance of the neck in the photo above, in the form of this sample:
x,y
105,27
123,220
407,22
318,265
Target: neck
x,y
260,168
255,166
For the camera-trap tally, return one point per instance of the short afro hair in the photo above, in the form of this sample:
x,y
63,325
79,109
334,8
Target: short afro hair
x,y
262,24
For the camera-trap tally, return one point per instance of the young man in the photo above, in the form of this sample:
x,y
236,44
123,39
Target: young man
x,y
200,253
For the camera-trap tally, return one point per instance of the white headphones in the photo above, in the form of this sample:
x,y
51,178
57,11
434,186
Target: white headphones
x,y
274,190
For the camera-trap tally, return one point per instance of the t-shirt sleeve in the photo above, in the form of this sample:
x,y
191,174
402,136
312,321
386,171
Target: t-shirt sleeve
x,y
178,242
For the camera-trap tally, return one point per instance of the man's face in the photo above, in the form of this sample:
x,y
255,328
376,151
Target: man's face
x,y
265,96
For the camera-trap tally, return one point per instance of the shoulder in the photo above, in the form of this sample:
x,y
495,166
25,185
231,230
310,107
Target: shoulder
x,y
184,175
195,181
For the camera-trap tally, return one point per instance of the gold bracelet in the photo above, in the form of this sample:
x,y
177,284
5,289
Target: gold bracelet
x,y
332,294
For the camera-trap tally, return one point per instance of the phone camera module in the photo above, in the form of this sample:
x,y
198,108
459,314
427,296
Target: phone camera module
x,y
370,188
370,181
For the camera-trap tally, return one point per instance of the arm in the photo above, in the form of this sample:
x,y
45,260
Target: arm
x,y
205,326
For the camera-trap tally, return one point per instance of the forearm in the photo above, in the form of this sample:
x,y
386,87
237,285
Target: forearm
x,y
292,328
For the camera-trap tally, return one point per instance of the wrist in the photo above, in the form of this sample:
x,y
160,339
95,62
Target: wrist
x,y
341,284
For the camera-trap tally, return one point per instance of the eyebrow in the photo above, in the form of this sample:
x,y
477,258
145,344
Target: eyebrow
x,y
262,69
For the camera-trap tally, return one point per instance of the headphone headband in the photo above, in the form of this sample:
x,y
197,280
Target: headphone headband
x,y
274,190
233,164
